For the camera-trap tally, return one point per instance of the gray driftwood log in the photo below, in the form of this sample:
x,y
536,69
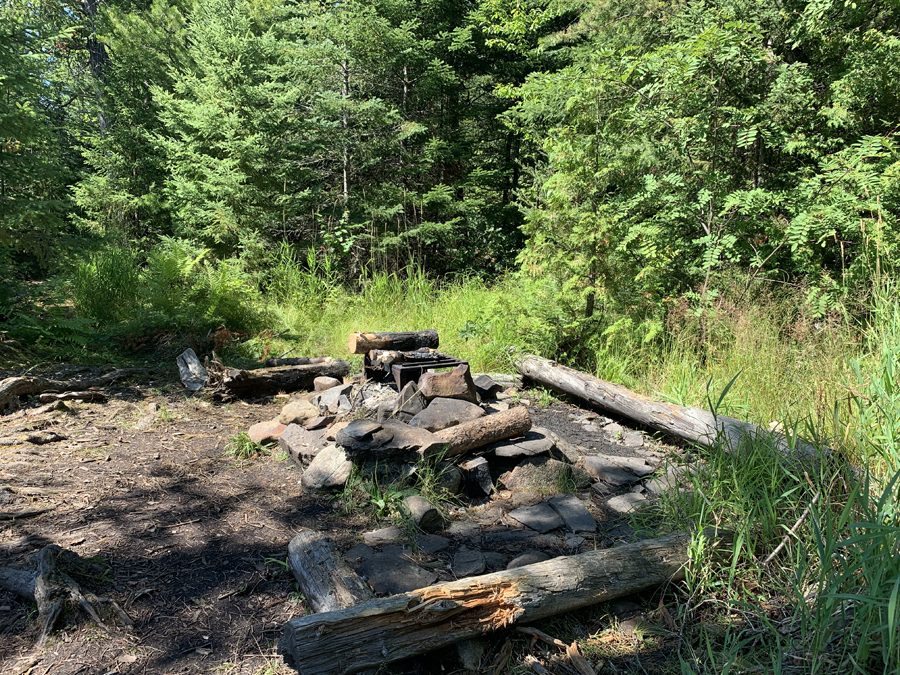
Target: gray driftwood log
x,y
282,378
325,579
489,429
692,424
13,387
362,343
389,629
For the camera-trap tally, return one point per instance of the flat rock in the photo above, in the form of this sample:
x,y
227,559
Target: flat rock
x,y
633,439
333,400
486,386
468,563
477,478
494,407
456,383
386,535
302,445
540,517
537,441
389,574
463,529
471,652
609,468
410,402
495,561
266,432
406,440
357,554
614,429
626,503
324,383
574,514
330,468
449,478
545,475
508,537
443,413
431,543
298,411
506,380
527,558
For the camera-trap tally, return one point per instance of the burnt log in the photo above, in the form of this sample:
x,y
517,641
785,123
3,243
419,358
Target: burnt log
x,y
485,430
282,378
691,424
296,361
390,629
362,343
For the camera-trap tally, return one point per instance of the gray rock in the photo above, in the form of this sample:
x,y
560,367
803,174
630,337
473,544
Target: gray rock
x,y
443,413
408,440
537,441
386,535
302,445
525,498
495,561
463,529
330,468
449,478
298,411
505,380
431,543
633,439
471,652
613,429
486,387
333,400
527,558
544,475
397,550
358,554
573,541
609,468
423,514
508,537
477,477
468,563
410,401
324,383
574,514
391,439
540,517
319,422
495,407
626,503
390,574
456,383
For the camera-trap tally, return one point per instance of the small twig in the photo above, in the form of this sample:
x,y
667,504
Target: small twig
x,y
541,635
535,665
24,513
286,353
793,530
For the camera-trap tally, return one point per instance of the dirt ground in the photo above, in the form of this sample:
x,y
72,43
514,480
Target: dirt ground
x,y
195,539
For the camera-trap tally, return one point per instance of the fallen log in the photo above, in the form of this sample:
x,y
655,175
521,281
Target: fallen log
x,y
282,378
13,387
326,581
386,630
362,343
489,429
692,424
296,361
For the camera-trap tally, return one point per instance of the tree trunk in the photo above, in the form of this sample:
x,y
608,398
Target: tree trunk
x,y
489,429
325,579
390,629
13,387
691,424
362,343
282,378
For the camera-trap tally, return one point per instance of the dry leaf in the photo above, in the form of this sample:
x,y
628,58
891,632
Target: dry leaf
x,y
578,661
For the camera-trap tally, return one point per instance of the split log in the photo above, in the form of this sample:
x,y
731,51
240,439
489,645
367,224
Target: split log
x,y
282,378
489,429
362,343
692,424
386,630
325,579
13,387
296,361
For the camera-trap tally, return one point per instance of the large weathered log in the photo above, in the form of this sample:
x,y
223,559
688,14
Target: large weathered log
x,y
390,629
13,387
325,579
361,343
692,424
489,429
282,378
296,361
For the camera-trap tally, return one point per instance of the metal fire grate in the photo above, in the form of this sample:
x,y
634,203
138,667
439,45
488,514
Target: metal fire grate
x,y
405,367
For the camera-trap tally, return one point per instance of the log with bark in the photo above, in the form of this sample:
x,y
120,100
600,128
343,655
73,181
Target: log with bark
x,y
362,343
326,581
53,583
296,361
13,387
390,629
691,424
282,378
489,429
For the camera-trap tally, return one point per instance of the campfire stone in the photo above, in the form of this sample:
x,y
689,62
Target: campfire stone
x,y
541,474
463,529
363,434
431,543
298,411
390,574
407,439
633,439
334,399
423,514
300,444
266,432
468,563
527,558
443,413
410,402
330,468
486,387
323,383
470,653
358,554
495,561
574,514
540,517
626,503
537,441
614,429
495,406
477,475
449,478
386,535
456,383
508,537
608,467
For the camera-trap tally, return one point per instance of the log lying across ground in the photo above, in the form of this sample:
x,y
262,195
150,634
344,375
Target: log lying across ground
x,y
385,630
362,343
296,361
13,387
282,378
489,429
692,424
327,582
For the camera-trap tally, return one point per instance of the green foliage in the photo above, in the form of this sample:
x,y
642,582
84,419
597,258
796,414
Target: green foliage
x,y
240,446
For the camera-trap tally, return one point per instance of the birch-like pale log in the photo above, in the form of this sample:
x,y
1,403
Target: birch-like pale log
x,y
691,424
390,629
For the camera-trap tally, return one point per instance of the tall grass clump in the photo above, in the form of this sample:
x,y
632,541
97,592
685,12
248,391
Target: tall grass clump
x,y
106,285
